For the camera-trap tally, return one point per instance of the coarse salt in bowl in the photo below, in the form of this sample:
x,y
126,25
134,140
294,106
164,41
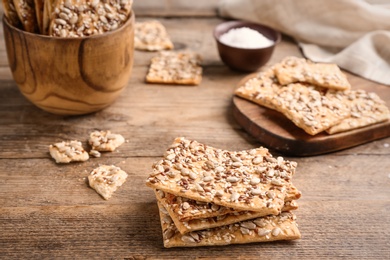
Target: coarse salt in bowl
x,y
245,46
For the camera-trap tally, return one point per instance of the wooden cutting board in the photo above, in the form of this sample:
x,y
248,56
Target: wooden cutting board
x,y
275,131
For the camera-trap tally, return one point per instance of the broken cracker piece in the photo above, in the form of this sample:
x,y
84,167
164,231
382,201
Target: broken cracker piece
x,y
264,229
171,67
250,180
106,179
151,36
68,151
26,13
327,75
105,141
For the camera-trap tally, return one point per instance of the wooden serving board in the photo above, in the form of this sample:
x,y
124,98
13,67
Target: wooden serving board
x,y
277,132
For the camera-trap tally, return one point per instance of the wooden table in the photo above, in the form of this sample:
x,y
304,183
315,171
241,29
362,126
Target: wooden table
x,y
48,211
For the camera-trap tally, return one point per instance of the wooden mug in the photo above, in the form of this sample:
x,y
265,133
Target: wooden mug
x,y
71,76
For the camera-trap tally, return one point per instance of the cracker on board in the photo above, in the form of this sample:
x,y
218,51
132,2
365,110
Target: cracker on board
x,y
260,89
263,229
151,36
188,209
68,151
308,108
244,180
105,141
106,179
175,67
327,75
215,221
26,13
366,108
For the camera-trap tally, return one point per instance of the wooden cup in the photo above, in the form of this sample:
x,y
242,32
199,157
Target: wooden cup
x,y
71,76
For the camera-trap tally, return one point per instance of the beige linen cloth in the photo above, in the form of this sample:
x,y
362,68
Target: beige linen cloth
x,y
354,34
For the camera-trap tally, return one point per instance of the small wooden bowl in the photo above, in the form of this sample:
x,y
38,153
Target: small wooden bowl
x,y
71,76
242,59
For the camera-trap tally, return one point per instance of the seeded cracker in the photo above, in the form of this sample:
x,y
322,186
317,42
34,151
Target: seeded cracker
x,y
308,108
293,69
170,67
26,13
78,18
70,151
264,229
106,179
212,222
187,209
260,89
105,141
10,12
241,180
366,108
151,36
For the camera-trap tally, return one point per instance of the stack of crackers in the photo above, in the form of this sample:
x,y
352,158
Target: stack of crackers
x,y
316,97
67,18
208,196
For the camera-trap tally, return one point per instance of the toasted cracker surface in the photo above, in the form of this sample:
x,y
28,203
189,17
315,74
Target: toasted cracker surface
x,y
250,180
172,67
106,179
293,69
68,151
151,36
366,108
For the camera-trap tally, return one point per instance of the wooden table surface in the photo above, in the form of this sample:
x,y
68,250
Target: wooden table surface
x,y
48,211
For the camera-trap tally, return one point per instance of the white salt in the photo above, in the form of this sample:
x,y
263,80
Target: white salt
x,y
245,38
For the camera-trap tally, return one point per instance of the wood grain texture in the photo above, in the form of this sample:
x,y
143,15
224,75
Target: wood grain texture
x,y
275,130
48,210
71,76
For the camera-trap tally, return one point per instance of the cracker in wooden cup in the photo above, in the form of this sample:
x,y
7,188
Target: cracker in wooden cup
x,y
26,13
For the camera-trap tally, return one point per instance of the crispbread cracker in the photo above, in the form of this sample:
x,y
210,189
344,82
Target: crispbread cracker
x,y
212,222
39,9
26,13
105,141
187,209
264,229
260,89
10,13
106,179
366,108
79,18
151,36
250,180
308,108
68,151
172,67
293,69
